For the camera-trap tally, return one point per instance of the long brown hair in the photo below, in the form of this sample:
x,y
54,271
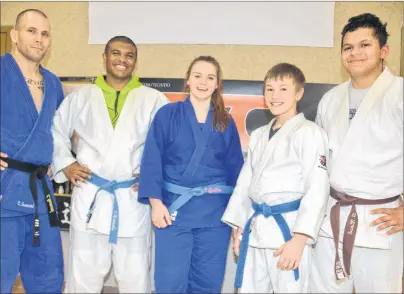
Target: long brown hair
x,y
220,115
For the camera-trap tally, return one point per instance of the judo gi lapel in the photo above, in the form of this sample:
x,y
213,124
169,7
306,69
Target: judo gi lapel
x,y
94,118
101,111
117,137
38,118
267,146
340,122
201,139
128,108
26,94
375,92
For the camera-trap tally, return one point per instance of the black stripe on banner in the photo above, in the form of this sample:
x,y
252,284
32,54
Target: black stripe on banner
x,y
237,87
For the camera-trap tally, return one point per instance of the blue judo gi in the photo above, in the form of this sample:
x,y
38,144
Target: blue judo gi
x,y
30,237
192,168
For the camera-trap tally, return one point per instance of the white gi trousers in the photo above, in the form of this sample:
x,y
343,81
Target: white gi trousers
x,y
91,257
372,270
261,274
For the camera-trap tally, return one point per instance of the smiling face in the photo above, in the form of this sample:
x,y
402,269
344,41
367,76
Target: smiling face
x,y
120,60
31,36
361,53
282,95
203,80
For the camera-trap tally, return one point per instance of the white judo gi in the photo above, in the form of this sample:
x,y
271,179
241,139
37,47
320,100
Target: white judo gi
x,y
114,154
366,161
289,166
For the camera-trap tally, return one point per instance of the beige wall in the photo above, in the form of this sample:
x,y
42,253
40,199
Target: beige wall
x,y
402,49
72,56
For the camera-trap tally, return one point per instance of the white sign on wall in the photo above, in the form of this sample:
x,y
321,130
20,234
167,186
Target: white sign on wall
x,y
239,23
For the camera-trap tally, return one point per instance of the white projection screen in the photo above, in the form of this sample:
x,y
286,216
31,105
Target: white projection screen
x,y
238,23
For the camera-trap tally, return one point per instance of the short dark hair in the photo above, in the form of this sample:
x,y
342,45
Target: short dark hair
x,y
22,13
367,20
122,39
282,70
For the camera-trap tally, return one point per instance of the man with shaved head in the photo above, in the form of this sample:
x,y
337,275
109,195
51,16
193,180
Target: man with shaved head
x,y
30,95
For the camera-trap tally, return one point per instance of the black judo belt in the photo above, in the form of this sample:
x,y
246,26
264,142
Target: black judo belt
x,y
37,172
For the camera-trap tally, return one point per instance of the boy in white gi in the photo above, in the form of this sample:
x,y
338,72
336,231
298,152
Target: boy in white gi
x,y
281,194
363,118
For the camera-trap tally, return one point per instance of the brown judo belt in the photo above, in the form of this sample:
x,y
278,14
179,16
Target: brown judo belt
x,y
351,226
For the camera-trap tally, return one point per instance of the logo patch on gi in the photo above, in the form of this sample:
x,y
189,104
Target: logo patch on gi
x,y
173,215
323,162
213,190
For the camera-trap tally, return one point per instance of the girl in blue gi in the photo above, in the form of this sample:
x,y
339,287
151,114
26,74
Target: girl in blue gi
x,y
191,161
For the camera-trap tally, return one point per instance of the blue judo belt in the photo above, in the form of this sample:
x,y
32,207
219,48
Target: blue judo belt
x,y
276,212
187,193
111,187
201,138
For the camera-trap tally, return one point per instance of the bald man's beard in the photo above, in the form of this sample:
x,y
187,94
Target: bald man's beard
x,y
33,57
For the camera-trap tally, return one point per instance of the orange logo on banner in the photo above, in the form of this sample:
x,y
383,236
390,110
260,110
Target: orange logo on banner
x,y
239,106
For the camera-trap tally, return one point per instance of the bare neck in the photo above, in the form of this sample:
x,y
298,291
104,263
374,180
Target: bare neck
x,y
201,108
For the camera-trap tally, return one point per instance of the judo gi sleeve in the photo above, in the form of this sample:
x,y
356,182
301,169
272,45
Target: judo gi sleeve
x,y
62,131
151,166
399,111
234,160
320,113
61,95
159,102
239,207
312,149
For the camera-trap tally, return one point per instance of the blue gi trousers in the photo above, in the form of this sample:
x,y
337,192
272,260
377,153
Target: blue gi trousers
x,y
40,267
190,260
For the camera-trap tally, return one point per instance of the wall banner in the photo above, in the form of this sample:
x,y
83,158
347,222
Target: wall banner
x,y
243,99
